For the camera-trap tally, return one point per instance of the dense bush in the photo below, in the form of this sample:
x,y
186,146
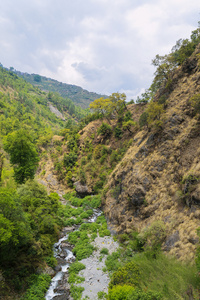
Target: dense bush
x,y
70,159
128,274
38,286
105,129
120,292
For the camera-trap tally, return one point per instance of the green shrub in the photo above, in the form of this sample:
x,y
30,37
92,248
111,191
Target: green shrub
x,y
128,274
70,159
141,295
128,116
104,251
76,267
76,292
51,261
118,132
152,237
73,278
83,250
39,286
101,295
143,120
104,232
112,261
120,292
105,129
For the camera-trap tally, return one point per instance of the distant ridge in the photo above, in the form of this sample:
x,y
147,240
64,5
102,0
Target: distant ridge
x,y
77,94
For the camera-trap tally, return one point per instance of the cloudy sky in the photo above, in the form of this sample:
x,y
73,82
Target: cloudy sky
x,y
104,46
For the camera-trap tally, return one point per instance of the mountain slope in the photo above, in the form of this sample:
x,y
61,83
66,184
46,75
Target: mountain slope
x,y
78,95
159,176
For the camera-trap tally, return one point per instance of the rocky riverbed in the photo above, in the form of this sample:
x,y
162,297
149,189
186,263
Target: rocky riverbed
x,y
96,279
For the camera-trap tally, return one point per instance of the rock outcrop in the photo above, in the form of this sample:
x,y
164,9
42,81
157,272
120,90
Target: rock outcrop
x,y
159,176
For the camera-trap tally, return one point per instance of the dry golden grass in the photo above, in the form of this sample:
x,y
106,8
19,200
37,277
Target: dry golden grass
x,y
179,151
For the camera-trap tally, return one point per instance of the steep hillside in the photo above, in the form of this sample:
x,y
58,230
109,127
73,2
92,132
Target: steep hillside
x,y
159,176
23,104
78,95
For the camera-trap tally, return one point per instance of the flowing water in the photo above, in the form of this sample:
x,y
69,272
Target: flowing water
x,y
63,252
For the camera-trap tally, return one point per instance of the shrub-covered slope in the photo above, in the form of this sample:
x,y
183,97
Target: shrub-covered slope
x,y
159,176
78,95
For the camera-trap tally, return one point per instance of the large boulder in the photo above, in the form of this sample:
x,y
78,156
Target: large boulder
x,y
81,189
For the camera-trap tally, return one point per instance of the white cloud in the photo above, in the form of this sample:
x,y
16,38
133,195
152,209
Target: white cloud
x,y
102,45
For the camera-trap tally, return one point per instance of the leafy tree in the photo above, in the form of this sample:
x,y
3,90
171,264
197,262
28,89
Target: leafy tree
x,y
113,106
23,155
101,106
118,102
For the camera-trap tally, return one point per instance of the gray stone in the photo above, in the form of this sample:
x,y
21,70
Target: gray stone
x,y
49,271
81,189
171,240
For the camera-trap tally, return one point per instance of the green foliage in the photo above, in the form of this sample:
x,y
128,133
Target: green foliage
x,y
129,124
71,94
13,222
76,267
51,261
38,287
29,227
185,47
113,106
70,159
154,110
76,292
195,103
104,251
119,292
73,278
143,295
23,155
152,237
105,129
145,97
128,116
128,274
118,132
112,261
86,202
73,141
101,295
143,119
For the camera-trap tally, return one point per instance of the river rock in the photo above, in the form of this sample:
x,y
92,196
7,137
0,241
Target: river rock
x,y
61,261
49,271
65,246
64,296
57,268
66,230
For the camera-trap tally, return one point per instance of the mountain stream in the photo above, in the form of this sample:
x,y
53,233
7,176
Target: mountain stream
x,y
95,279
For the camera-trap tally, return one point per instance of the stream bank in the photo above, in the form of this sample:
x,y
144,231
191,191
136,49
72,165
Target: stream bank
x,y
96,279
